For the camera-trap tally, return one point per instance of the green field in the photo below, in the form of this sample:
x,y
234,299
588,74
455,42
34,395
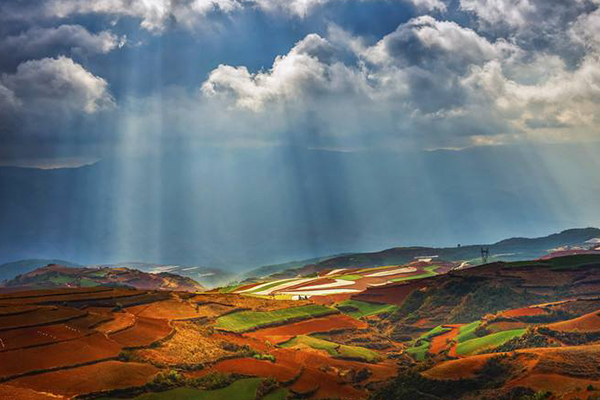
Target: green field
x,y
230,288
438,330
349,277
278,394
244,389
364,309
424,341
494,340
373,269
334,349
247,320
270,285
87,282
419,352
467,332
430,271
61,279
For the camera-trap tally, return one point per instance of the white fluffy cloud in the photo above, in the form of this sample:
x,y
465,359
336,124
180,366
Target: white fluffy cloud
x,y
308,71
511,12
56,85
427,42
430,80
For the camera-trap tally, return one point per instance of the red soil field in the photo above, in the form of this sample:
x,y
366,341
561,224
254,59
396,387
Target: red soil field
x,y
100,310
120,321
320,281
145,332
41,316
557,384
329,387
253,367
19,338
77,351
523,312
10,392
316,359
505,326
585,323
290,362
22,294
389,294
457,369
106,375
330,299
283,333
241,340
246,287
441,342
167,309
89,321
74,296
14,310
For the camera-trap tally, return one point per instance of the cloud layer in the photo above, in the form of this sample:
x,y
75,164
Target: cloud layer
x,y
429,80
155,15
450,75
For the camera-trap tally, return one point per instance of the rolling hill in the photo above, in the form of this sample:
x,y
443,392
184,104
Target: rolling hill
x,y
513,249
507,330
56,276
12,269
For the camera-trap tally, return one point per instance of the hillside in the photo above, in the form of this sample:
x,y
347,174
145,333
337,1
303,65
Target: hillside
x,y
513,249
12,269
506,330
56,276
206,276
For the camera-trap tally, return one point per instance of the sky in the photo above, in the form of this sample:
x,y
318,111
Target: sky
x,y
426,82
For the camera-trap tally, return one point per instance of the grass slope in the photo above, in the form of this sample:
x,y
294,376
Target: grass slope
x,y
270,285
247,320
419,352
277,394
244,389
494,340
334,349
467,332
349,277
421,345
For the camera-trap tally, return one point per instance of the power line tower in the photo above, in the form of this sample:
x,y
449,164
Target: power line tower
x,y
485,254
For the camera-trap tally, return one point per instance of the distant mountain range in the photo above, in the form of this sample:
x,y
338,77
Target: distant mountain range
x,y
513,249
57,276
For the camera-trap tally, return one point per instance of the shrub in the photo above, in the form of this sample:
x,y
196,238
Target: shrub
x,y
266,386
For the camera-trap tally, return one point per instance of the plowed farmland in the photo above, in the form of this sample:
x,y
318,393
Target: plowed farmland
x,y
144,332
496,331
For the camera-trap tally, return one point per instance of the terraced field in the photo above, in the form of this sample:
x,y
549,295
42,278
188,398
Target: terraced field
x,y
243,389
489,331
334,349
248,320
341,281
